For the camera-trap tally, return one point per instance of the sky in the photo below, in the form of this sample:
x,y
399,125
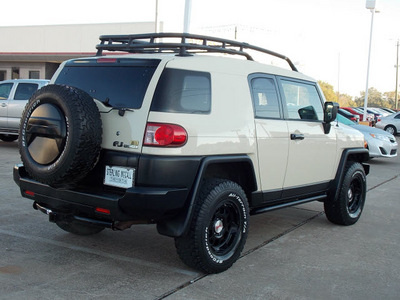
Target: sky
x,y
326,39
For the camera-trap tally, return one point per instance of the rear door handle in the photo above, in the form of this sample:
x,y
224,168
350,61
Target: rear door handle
x,y
296,136
3,104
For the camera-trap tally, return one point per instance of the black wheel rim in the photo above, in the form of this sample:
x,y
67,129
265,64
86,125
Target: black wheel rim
x,y
224,231
354,196
46,134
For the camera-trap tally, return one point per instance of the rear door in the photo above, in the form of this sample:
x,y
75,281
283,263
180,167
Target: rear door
x,y
16,105
272,135
5,92
312,153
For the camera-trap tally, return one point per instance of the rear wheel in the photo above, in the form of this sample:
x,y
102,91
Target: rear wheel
x,y
8,138
347,208
219,227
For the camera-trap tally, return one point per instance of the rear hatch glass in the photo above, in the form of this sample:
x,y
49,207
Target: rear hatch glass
x,y
119,83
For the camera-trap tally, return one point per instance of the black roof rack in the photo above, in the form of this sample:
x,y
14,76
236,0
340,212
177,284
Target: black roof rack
x,y
182,43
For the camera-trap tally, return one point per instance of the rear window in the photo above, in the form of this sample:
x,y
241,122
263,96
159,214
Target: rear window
x,y
119,83
182,91
25,91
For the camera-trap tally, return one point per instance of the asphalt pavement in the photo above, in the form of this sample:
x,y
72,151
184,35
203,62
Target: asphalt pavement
x,y
293,253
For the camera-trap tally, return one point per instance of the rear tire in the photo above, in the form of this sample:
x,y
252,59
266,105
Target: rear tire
x,y
346,209
8,138
79,228
218,229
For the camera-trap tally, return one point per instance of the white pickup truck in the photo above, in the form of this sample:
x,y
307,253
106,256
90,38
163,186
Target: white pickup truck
x,y
14,94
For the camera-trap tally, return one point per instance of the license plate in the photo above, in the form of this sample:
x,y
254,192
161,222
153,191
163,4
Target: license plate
x,y
119,176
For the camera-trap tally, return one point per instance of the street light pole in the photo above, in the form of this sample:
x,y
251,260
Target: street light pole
x,y
188,12
397,76
371,6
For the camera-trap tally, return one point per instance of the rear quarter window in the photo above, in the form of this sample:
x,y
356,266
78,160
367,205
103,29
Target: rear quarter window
x,y
182,91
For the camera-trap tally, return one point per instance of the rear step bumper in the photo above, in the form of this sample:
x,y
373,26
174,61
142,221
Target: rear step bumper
x,y
137,203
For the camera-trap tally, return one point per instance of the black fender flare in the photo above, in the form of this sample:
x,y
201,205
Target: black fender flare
x,y
179,225
356,154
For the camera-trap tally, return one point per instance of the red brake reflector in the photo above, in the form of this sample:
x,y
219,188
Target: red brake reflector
x,y
107,60
103,210
30,193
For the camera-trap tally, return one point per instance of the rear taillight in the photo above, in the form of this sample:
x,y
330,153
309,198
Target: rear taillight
x,y
159,134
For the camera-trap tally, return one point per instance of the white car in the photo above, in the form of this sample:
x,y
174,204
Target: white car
x,y
390,123
14,94
380,143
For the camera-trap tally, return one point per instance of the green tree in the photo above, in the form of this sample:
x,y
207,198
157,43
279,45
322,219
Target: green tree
x,y
375,99
328,91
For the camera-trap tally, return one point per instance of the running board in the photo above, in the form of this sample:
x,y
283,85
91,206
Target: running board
x,y
288,204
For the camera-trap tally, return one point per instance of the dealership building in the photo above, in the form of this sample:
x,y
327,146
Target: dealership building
x,y
37,51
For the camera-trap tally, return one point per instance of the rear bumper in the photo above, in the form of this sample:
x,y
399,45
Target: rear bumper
x,y
136,203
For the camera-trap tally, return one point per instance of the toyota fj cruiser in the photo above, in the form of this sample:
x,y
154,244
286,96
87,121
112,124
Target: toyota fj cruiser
x,y
192,142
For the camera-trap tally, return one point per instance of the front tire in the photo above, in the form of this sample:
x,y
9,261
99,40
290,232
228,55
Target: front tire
x,y
346,209
218,229
391,129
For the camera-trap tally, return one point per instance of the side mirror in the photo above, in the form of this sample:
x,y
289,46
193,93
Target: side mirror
x,y
330,114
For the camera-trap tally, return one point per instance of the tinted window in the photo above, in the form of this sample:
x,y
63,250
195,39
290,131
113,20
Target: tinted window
x,y
265,98
183,91
302,100
5,90
119,84
25,91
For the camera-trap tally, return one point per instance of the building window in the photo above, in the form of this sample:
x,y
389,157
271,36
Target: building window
x,y
3,75
15,73
34,74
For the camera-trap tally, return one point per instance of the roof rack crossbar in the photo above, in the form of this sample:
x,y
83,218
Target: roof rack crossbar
x,y
189,43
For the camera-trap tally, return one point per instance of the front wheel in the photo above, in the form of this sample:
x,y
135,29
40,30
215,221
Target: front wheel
x,y
346,209
218,229
391,129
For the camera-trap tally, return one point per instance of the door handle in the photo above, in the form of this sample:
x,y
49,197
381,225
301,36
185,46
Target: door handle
x,y
296,136
3,104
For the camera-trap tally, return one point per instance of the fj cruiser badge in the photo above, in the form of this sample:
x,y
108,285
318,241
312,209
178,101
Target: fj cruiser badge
x,y
132,145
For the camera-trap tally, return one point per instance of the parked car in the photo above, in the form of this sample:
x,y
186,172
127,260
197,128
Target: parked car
x,y
377,115
354,112
390,111
390,123
14,94
192,143
348,115
380,143
370,116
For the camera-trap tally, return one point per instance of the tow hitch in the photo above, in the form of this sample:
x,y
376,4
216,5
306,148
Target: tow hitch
x,y
55,217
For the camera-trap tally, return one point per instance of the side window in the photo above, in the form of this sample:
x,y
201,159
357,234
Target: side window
x,y
182,91
25,91
265,98
397,117
5,90
302,101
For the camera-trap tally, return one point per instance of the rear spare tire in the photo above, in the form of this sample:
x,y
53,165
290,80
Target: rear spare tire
x,y
60,135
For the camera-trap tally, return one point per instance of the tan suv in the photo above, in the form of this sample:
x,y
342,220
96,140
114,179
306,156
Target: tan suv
x,y
193,142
